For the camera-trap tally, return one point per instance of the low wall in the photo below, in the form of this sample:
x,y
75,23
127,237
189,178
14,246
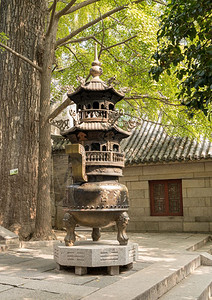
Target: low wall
x,y
197,196
196,189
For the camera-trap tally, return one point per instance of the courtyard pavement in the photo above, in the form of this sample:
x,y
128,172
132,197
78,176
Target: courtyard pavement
x,y
30,272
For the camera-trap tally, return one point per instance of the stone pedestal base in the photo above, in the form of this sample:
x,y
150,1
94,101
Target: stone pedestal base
x,y
96,254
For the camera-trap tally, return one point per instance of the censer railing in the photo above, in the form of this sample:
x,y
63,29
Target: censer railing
x,y
88,115
104,158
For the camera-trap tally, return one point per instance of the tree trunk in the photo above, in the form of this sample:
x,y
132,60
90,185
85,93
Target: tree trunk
x,y
43,228
23,21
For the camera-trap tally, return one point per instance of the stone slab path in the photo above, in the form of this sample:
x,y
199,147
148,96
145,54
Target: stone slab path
x,y
30,272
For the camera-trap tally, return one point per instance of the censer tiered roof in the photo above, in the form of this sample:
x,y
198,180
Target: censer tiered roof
x,y
96,84
91,91
104,126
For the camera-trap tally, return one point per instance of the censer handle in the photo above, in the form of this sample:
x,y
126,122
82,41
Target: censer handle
x,y
78,159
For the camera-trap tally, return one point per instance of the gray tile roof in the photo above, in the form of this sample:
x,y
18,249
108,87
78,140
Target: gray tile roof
x,y
150,144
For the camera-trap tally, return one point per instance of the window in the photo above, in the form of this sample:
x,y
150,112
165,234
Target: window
x,y
95,147
166,197
96,105
111,107
115,148
87,147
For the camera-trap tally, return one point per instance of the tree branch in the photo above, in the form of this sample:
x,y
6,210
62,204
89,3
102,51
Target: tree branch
x,y
75,57
61,69
157,123
21,57
82,39
96,40
52,16
160,2
80,5
123,42
139,105
59,109
118,21
162,99
65,9
78,40
77,31
139,119
102,46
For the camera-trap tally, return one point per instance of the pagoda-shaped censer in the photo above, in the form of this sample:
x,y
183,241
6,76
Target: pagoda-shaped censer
x,y
96,199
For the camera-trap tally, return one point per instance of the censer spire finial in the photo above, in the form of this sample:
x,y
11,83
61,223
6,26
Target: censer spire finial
x,y
96,70
95,52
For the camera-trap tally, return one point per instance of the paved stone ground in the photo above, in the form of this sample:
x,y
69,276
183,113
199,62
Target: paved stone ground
x,y
30,272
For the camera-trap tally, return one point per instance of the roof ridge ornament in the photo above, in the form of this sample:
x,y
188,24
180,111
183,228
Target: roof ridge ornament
x,y
96,70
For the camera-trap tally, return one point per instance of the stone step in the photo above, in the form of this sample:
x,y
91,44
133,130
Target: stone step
x,y
151,282
207,248
7,246
202,243
197,286
3,247
8,238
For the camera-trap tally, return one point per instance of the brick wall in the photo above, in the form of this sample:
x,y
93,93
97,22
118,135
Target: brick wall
x,y
197,196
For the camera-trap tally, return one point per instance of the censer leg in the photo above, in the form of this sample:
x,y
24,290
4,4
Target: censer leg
x,y
70,224
122,223
96,234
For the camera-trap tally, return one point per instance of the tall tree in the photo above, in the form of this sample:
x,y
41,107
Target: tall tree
x,y
24,23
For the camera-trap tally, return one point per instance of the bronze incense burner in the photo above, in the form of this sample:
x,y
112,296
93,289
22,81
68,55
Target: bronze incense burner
x,y
96,199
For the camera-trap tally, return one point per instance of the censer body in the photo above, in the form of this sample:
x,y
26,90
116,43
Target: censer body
x,y
97,204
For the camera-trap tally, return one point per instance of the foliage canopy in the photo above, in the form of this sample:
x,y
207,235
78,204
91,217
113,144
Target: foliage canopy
x,y
134,32
184,42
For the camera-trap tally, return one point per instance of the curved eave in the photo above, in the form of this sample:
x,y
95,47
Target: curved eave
x,y
95,87
95,126
124,132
